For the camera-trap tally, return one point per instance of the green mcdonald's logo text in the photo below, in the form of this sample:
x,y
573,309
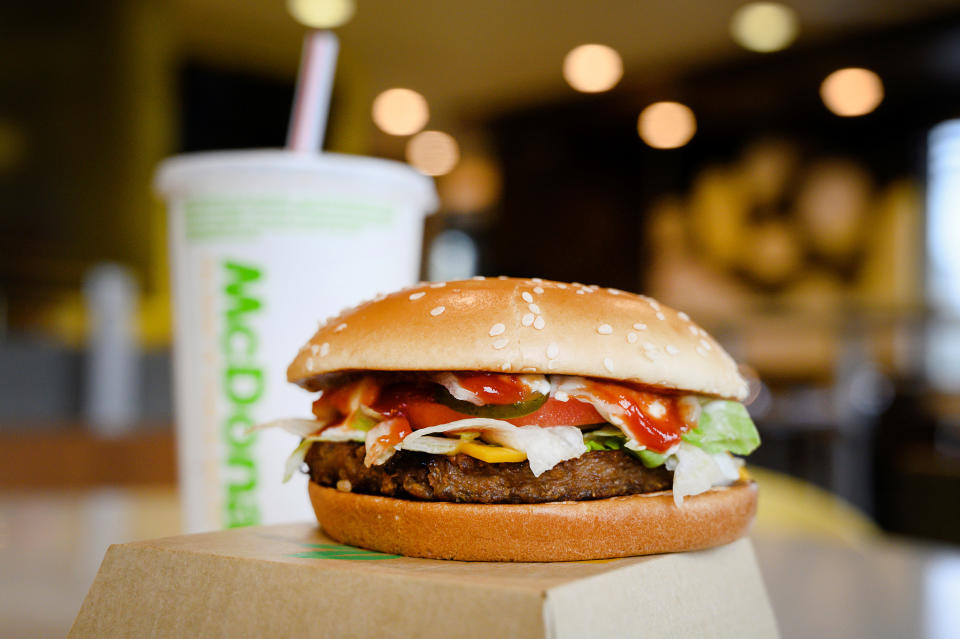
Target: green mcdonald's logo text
x,y
243,387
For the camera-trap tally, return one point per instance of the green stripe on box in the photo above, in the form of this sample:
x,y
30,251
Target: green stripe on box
x,y
337,551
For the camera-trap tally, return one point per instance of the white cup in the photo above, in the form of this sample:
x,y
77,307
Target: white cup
x,y
264,244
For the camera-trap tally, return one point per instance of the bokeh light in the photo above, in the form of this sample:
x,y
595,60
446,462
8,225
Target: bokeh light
x,y
851,92
400,111
321,14
592,68
764,26
471,187
666,125
433,152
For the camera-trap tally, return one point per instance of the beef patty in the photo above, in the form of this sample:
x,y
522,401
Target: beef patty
x,y
461,478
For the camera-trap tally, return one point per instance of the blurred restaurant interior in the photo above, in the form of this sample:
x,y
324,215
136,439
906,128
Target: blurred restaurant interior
x,y
787,178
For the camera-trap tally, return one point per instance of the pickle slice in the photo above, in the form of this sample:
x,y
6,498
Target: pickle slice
x,y
492,411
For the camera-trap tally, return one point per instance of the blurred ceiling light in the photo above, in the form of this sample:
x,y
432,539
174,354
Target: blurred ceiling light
x,y
666,125
433,152
13,143
592,68
321,14
764,26
471,187
400,111
852,92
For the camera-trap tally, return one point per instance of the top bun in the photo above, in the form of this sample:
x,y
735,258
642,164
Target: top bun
x,y
521,326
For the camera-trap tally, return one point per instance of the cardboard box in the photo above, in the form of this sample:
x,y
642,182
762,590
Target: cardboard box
x,y
292,581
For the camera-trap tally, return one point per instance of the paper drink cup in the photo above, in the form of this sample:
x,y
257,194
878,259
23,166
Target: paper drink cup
x,y
264,244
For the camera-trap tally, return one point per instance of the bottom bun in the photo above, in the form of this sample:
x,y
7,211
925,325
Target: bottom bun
x,y
558,531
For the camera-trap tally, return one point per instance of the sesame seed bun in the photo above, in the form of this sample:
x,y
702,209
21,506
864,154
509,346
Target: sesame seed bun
x,y
558,531
521,326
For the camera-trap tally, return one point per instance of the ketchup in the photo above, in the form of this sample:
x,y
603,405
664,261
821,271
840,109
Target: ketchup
x,y
654,420
395,400
492,388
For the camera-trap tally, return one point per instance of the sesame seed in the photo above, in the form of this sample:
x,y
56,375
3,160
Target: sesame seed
x,y
673,350
613,291
502,277
310,364
661,316
438,285
497,329
314,348
527,319
561,285
705,344
683,316
437,310
608,364
505,366
500,343
538,290
417,295
527,297
650,346
534,309
653,304
553,350
536,280
324,349
539,323
701,351
640,326
604,329
478,278
693,329
632,337
702,332
579,291
339,328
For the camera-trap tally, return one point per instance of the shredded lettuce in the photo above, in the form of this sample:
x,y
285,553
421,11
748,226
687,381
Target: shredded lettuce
x,y
696,471
545,446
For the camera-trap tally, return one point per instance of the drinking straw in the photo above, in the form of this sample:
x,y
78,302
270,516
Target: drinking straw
x,y
311,102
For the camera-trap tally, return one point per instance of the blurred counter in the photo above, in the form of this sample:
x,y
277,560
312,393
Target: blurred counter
x,y
51,543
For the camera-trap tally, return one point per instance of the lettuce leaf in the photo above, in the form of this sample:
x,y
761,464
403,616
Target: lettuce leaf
x,y
606,438
724,426
649,458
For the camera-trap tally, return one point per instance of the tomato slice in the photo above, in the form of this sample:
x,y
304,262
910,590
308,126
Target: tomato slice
x,y
422,413
556,413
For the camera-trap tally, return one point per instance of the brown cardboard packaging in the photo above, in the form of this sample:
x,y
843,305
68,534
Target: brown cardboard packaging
x,y
292,581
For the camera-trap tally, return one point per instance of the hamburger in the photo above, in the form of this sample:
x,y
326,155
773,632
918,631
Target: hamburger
x,y
522,420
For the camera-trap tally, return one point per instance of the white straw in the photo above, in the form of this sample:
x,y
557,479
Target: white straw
x,y
308,121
